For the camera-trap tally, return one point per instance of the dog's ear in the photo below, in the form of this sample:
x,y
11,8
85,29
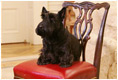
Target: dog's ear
x,y
62,13
44,10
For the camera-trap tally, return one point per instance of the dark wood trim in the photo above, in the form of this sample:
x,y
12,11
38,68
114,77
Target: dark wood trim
x,y
16,77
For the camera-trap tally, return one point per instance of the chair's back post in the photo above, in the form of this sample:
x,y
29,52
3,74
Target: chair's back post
x,y
99,43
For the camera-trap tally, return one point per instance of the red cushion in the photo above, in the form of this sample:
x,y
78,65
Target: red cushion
x,y
30,70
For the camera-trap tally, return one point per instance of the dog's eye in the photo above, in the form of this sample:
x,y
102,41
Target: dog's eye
x,y
42,15
40,26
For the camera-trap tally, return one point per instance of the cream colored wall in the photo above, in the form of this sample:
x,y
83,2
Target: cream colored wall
x,y
54,6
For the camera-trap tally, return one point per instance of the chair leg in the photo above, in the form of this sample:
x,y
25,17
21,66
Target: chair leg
x,y
16,77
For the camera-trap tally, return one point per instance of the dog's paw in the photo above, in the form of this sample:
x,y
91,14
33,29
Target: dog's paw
x,y
55,62
44,63
65,65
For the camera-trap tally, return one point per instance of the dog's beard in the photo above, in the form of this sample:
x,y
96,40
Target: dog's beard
x,y
40,32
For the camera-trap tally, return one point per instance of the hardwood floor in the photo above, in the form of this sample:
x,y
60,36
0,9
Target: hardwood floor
x,y
17,50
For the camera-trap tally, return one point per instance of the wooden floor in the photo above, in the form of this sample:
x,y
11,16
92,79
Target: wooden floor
x,y
17,50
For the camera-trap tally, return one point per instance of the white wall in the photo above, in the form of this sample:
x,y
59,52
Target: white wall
x,y
54,6
37,8
34,9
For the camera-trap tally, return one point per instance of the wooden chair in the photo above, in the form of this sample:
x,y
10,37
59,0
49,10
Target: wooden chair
x,y
79,69
86,6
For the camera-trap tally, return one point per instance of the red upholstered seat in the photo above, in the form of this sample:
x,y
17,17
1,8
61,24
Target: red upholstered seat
x,y
30,70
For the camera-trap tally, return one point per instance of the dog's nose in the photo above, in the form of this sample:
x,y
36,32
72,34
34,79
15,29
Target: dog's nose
x,y
36,31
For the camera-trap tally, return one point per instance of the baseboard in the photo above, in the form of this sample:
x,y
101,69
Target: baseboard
x,y
19,58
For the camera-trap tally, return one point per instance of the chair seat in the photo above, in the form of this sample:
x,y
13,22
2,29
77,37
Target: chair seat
x,y
30,70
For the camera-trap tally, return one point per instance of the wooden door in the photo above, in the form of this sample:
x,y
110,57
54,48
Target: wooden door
x,y
13,22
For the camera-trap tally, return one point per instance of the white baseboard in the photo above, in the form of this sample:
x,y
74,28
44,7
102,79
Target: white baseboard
x,y
19,58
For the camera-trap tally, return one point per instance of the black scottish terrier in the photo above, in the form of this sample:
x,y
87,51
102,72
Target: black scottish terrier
x,y
59,46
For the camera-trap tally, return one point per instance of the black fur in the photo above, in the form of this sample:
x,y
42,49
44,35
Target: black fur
x,y
59,46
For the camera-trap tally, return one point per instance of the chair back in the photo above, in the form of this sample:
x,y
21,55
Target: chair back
x,y
84,36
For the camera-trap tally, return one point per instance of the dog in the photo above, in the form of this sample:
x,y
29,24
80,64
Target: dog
x,y
59,46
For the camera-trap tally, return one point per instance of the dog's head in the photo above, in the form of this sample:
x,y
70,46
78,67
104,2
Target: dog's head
x,y
51,22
